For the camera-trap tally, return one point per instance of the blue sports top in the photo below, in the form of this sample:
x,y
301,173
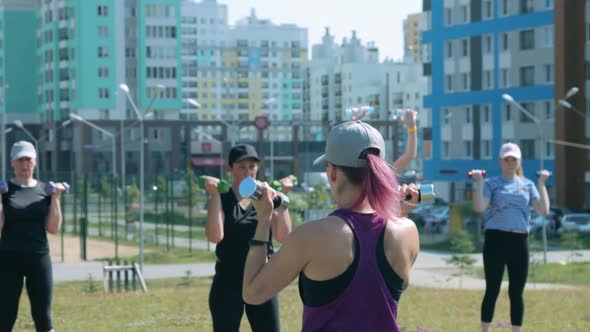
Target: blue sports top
x,y
510,202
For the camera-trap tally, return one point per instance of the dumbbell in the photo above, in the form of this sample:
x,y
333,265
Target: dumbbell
x,y
277,185
425,193
249,187
539,173
470,173
3,186
223,185
50,187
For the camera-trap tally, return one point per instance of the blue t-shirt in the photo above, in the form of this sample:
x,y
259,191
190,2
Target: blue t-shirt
x,y
510,202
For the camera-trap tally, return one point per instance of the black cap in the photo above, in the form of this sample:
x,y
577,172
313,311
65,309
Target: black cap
x,y
241,152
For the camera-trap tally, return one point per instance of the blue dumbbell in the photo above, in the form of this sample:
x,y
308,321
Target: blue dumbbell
x,y
3,186
50,187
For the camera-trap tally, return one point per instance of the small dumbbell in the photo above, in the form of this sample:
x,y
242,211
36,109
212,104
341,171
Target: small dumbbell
x,y
470,173
539,173
277,185
3,186
425,193
50,187
249,187
223,185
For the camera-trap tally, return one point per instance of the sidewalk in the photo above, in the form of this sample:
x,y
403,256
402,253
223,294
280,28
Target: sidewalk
x,y
430,270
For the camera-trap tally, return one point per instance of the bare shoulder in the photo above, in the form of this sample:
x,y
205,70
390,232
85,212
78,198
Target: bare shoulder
x,y
402,226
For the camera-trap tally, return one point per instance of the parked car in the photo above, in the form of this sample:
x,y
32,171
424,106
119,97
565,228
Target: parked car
x,y
576,222
437,219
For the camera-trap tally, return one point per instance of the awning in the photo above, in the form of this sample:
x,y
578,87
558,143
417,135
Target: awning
x,y
207,161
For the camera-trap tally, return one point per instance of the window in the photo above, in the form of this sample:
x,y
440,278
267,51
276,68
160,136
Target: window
x,y
465,47
446,116
103,10
449,48
103,31
467,148
548,149
530,107
505,78
505,41
548,69
486,113
487,79
445,149
103,93
527,147
488,47
468,115
527,39
103,52
527,6
487,9
449,81
487,148
507,113
448,16
504,7
465,79
548,110
527,75
548,36
103,72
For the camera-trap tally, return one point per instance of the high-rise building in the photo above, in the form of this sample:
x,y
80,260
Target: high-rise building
x,y
411,26
478,51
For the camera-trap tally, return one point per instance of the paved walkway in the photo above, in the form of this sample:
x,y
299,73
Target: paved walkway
x,y
430,270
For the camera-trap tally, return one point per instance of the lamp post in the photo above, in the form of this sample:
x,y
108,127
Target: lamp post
x,y
537,122
106,132
140,117
268,102
230,126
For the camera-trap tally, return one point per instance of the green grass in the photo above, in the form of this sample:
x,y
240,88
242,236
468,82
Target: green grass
x,y
572,273
181,305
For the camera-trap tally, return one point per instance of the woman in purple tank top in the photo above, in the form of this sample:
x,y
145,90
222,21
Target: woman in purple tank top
x,y
356,248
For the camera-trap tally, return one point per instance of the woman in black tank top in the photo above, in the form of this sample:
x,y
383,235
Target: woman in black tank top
x,y
231,223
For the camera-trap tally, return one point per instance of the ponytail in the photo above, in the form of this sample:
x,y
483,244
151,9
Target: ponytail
x,y
378,183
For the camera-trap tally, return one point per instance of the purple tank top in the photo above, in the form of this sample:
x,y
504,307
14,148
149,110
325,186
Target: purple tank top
x,y
366,304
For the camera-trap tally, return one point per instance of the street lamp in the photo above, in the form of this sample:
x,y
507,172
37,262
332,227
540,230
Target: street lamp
x,y
140,117
106,132
230,126
563,102
511,100
268,102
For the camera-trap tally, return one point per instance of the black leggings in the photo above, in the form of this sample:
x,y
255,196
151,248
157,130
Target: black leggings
x,y
227,307
505,249
36,270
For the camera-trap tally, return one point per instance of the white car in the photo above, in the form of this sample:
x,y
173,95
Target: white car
x,y
576,222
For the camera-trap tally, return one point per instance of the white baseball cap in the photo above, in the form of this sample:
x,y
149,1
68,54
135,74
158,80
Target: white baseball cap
x,y
510,150
23,149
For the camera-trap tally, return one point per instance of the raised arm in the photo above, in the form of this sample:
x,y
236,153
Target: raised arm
x,y
54,219
214,226
281,220
480,203
412,146
541,205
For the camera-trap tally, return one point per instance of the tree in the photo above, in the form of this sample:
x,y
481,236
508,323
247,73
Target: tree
x,y
319,198
461,245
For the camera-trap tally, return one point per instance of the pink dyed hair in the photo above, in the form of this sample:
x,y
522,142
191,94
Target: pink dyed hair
x,y
378,183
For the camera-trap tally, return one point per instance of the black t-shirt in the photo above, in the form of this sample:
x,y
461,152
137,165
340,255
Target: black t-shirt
x,y
239,227
25,215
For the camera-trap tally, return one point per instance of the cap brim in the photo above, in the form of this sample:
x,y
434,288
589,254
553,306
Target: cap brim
x,y
246,157
321,161
24,154
511,154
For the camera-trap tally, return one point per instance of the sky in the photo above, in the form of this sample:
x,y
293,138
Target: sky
x,y
374,20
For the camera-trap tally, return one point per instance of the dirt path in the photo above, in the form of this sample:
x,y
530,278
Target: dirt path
x,y
94,249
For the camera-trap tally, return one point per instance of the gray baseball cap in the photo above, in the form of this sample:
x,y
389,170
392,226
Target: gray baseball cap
x,y
22,149
346,143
